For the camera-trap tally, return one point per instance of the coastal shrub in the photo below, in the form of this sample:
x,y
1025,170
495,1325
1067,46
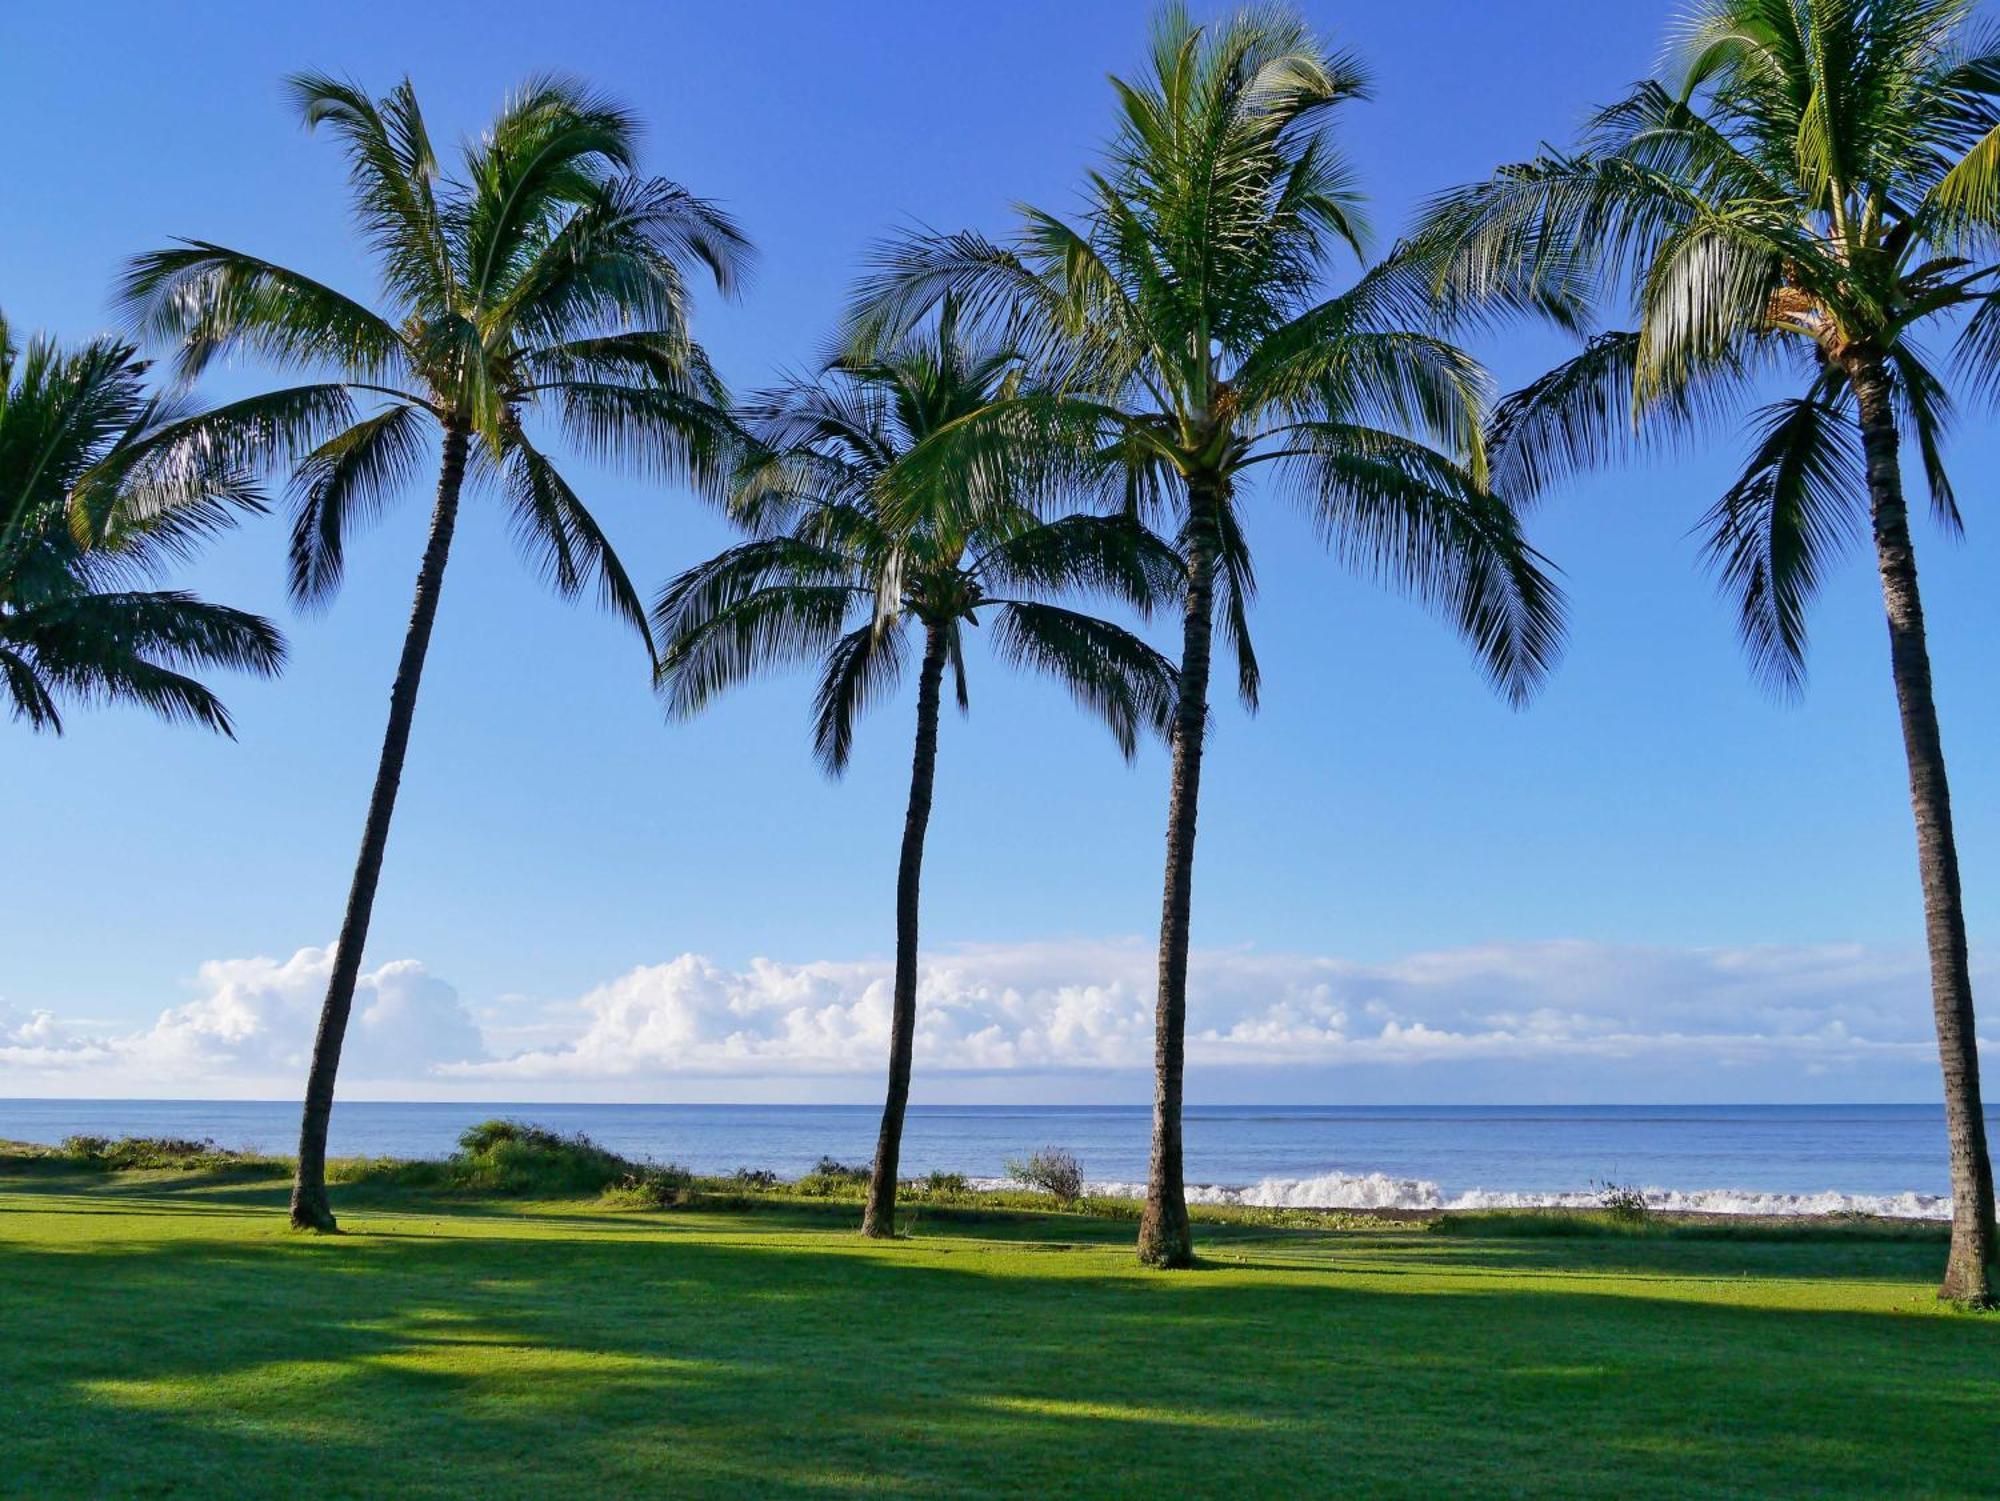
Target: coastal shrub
x,y
509,1157
664,1187
127,1153
1624,1202
753,1180
1053,1171
832,1179
389,1172
944,1186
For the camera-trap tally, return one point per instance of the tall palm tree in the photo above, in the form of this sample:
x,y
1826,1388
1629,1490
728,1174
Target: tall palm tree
x,y
100,483
1820,186
549,277
831,573
1187,315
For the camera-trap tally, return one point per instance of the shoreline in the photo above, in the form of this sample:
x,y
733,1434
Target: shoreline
x,y
1370,1197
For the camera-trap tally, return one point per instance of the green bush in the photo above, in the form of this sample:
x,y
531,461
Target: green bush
x,y
667,1187
128,1153
389,1172
509,1157
1053,1171
832,1179
1624,1202
945,1187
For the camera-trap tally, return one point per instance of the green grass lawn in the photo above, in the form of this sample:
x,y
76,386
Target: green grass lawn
x,y
166,1335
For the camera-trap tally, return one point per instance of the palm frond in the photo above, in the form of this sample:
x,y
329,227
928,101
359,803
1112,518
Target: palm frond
x,y
1111,555
207,300
1926,412
1108,670
554,528
1235,589
393,172
656,433
127,647
773,627
1775,531
343,484
860,667
1403,513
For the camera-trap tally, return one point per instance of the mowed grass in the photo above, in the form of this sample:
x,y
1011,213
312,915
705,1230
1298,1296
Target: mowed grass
x,y
166,1335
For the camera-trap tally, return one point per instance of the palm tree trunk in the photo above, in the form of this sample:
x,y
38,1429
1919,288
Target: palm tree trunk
x,y
1165,1238
310,1210
879,1218
1969,1269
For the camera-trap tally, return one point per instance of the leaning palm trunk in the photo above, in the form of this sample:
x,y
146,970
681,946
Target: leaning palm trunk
x,y
1969,1268
1165,1238
310,1210
879,1218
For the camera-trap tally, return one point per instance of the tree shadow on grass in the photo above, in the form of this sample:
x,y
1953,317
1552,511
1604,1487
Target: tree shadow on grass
x,y
500,1354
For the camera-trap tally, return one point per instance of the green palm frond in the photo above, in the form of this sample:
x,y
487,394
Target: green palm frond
x,y
554,528
393,172
776,626
208,300
1115,556
344,484
1776,530
552,150
1235,589
901,481
1401,512
655,433
1108,670
100,483
1927,414
861,667
703,591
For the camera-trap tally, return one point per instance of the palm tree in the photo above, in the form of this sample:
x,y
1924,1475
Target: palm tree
x,y
1187,315
100,483
548,278
831,573
1821,186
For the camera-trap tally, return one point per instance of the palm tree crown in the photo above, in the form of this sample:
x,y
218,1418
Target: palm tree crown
x,y
548,278
1185,322
834,571
1822,183
100,483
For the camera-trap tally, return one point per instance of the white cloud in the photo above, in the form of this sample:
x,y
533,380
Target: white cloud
x,y
1051,1008
1546,1021
251,1024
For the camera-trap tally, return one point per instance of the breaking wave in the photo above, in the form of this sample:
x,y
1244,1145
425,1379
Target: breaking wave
x,y
1338,1190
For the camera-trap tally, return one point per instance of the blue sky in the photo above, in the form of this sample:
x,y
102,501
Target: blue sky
x,y
556,839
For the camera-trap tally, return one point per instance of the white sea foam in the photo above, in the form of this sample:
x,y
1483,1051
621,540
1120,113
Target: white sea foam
x,y
1337,1190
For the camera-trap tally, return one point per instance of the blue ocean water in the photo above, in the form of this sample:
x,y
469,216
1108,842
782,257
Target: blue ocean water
x,y
1756,1158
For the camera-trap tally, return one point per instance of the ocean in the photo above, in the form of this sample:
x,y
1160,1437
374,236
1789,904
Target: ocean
x,y
1746,1159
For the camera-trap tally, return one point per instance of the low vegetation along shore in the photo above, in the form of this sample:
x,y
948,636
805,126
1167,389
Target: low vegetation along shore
x,y
536,1315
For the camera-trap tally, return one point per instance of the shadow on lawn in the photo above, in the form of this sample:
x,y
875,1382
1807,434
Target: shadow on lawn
x,y
612,1355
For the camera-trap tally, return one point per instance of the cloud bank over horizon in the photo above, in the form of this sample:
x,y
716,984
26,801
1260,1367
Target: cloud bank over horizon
x,y
1538,1022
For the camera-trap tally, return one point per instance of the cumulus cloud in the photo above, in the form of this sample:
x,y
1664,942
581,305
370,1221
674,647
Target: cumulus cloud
x,y
1051,1008
251,1023
1550,1020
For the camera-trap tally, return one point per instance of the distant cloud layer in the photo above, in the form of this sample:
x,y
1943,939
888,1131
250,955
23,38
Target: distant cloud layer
x,y
1533,1021
251,1024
